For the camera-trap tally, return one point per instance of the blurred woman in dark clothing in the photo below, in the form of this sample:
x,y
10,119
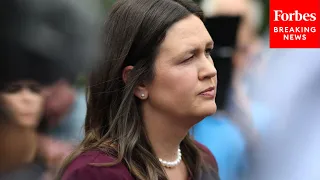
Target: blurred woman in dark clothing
x,y
40,43
22,101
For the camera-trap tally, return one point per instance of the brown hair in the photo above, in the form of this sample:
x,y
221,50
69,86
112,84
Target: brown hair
x,y
134,31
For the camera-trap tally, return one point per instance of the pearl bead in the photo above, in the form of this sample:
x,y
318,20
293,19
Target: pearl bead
x,y
171,164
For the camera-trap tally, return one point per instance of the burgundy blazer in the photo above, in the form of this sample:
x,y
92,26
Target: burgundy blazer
x,y
80,169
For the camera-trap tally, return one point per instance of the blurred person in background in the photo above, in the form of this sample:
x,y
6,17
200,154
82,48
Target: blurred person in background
x,y
23,103
156,81
52,148
231,131
289,147
26,98
61,96
27,104
24,152
46,43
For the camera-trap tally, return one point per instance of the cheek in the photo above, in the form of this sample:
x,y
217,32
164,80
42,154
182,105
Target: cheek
x,y
215,79
180,85
186,84
39,103
11,103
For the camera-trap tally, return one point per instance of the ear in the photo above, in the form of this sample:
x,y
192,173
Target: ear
x,y
140,91
125,73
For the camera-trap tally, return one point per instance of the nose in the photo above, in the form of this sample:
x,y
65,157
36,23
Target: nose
x,y
27,96
207,70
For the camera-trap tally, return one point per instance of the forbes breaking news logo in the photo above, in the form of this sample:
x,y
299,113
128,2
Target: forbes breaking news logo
x,y
296,16
293,33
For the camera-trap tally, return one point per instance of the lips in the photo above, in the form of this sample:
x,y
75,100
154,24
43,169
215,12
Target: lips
x,y
210,92
27,114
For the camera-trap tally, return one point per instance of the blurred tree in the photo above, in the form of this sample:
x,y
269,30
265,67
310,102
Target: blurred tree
x,y
265,23
108,3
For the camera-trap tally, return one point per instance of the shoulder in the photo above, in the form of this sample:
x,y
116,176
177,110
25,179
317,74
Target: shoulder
x,y
81,169
207,155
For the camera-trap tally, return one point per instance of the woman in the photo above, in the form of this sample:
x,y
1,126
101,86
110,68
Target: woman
x,y
22,148
22,102
156,81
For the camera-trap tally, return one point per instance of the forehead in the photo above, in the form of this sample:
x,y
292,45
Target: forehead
x,y
189,32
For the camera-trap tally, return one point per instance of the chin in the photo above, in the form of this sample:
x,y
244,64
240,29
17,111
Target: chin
x,y
210,110
29,122
207,109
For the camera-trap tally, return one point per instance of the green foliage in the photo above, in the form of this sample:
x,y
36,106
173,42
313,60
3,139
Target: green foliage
x,y
265,23
108,3
81,81
197,1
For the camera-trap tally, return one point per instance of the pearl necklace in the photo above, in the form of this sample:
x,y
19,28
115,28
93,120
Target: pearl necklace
x,y
171,164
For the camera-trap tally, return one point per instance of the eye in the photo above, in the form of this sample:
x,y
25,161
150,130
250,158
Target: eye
x,y
188,59
35,88
208,52
14,88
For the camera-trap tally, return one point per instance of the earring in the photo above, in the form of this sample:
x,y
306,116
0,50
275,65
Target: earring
x,y
142,95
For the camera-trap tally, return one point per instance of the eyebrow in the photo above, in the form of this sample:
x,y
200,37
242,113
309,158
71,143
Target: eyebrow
x,y
193,50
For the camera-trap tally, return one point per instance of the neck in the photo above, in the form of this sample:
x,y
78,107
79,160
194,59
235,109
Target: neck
x,y
165,135
18,146
9,127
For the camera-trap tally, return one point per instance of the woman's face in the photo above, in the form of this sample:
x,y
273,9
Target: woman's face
x,y
24,99
185,77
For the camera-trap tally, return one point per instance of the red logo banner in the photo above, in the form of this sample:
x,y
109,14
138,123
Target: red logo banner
x,y
294,24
